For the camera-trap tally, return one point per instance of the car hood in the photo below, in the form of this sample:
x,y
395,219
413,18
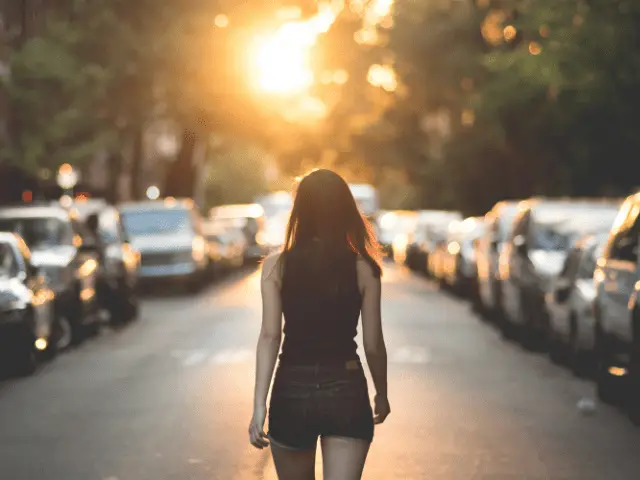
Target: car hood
x,y
58,256
548,263
161,243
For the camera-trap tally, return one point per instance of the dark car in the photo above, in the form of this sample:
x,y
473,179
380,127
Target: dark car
x,y
118,275
617,311
27,314
63,249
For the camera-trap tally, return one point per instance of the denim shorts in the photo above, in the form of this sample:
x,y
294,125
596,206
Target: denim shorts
x,y
308,402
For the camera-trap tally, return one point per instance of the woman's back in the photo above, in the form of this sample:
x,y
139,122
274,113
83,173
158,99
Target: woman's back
x,y
321,303
326,276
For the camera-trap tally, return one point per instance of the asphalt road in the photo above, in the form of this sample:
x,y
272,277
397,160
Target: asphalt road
x,y
170,396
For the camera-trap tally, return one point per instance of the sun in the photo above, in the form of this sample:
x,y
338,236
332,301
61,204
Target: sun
x,y
281,61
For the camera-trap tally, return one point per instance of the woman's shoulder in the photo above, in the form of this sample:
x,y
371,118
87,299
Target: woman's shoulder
x,y
365,269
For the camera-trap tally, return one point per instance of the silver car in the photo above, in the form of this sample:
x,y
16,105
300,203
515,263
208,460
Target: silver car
x,y
570,305
169,236
543,232
498,227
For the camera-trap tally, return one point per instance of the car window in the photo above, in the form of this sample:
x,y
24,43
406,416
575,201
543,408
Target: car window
x,y
504,225
157,222
571,264
39,232
520,224
587,264
549,237
8,262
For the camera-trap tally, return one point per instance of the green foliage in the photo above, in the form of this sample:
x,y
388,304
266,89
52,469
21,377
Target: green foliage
x,y
51,123
549,110
236,175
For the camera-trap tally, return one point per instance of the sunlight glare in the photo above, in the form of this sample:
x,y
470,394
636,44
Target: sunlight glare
x,y
382,76
283,65
282,60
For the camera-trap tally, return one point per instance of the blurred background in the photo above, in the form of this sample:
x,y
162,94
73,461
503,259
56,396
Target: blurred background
x,y
492,144
442,104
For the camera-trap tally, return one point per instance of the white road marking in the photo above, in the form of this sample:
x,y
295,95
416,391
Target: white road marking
x,y
415,355
232,357
195,358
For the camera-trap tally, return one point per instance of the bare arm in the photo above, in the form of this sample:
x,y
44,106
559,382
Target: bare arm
x,y
374,345
270,332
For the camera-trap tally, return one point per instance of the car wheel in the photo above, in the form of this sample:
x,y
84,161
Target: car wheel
x,y
633,397
25,357
558,351
526,332
62,336
579,360
133,307
607,385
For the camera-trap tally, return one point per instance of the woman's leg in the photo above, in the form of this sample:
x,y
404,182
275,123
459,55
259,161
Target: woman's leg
x,y
294,464
343,458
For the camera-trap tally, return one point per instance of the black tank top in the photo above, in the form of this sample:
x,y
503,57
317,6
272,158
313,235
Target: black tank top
x,y
320,320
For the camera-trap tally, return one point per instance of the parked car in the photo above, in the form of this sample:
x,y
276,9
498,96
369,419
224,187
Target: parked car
x,y
119,270
63,249
570,305
435,258
499,221
28,328
250,219
230,245
170,238
394,228
617,310
459,263
542,235
421,241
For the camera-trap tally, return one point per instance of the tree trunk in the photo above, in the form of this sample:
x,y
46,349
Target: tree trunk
x,y
180,177
115,163
137,162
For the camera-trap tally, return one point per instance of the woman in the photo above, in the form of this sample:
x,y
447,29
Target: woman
x,y
327,275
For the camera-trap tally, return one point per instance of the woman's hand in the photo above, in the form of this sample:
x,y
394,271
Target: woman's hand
x,y
256,428
381,409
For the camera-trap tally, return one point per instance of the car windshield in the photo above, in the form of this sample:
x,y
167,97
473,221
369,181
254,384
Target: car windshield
x,y
505,223
560,231
39,232
8,265
156,222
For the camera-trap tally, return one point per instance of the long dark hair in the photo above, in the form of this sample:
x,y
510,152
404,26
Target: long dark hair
x,y
326,226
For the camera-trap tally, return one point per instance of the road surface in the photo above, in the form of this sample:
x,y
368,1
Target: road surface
x,y
170,397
